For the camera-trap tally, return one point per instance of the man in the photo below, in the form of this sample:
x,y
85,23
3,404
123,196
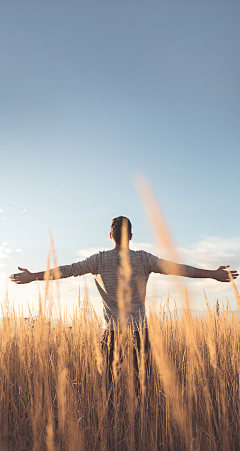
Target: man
x,y
121,277
105,268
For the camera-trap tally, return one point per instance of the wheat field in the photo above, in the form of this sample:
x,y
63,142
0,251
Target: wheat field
x,y
54,393
54,389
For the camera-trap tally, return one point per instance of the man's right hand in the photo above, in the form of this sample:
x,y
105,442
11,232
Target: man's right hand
x,y
22,277
223,274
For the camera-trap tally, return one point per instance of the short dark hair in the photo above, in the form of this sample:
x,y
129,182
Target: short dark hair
x,y
116,228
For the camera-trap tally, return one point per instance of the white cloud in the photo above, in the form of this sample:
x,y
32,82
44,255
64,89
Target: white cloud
x,y
1,210
19,251
142,247
7,251
24,210
4,251
84,253
5,243
212,252
4,255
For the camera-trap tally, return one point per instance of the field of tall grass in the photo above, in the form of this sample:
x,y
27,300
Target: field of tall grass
x,y
54,390
54,393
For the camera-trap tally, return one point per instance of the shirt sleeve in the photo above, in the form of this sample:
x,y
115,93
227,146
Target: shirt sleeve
x,y
159,265
89,265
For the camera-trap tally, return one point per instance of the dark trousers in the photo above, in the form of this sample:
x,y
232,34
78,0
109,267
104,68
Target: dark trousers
x,y
108,344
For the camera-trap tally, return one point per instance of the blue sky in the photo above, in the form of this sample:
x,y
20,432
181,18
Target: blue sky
x,y
93,93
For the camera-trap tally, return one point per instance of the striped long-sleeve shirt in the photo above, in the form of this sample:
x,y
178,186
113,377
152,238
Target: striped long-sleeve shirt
x,y
105,268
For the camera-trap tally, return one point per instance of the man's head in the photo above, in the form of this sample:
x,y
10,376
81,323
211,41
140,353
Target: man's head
x,y
116,229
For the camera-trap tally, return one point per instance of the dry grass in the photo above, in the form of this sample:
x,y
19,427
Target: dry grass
x,y
53,390
54,393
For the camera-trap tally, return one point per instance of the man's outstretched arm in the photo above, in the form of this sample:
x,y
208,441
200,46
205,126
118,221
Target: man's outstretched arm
x,y
221,274
89,265
26,276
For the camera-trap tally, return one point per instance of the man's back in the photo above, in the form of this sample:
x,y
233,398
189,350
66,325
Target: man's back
x,y
107,268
